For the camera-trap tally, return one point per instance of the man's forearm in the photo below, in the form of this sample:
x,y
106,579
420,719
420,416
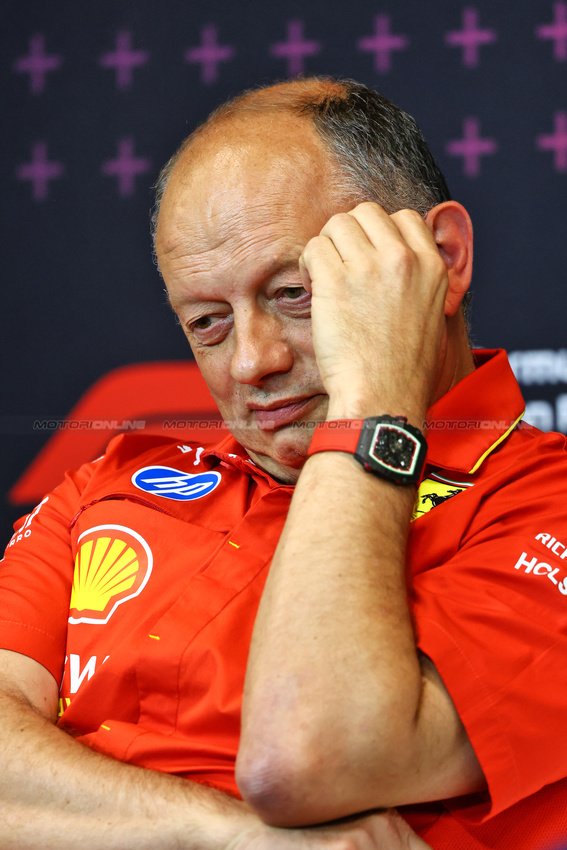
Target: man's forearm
x,y
340,713
333,681
55,793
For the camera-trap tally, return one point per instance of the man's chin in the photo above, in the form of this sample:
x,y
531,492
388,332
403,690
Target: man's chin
x,y
284,452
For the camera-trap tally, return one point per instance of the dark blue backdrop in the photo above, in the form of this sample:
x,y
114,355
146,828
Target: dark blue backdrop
x,y
98,95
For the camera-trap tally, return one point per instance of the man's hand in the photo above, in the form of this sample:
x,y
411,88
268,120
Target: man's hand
x,y
378,284
381,831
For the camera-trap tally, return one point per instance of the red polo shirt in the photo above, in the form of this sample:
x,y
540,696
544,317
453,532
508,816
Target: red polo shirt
x,y
137,581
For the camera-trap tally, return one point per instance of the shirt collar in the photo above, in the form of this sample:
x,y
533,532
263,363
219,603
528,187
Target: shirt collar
x,y
466,424
229,451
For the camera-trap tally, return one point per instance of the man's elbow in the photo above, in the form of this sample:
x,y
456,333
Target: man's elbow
x,y
279,786
305,786
315,769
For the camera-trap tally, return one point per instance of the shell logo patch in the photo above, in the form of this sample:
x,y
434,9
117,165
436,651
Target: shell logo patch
x,y
112,565
173,484
433,492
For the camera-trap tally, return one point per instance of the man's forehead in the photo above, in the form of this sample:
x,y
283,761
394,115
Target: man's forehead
x,y
226,179
258,143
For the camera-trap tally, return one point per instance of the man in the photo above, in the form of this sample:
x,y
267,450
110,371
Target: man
x,y
319,279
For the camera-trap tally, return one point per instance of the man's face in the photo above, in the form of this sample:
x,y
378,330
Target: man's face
x,y
235,218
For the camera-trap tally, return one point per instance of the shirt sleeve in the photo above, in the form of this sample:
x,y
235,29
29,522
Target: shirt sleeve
x,y
493,619
36,577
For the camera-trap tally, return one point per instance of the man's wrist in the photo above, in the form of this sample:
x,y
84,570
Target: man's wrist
x,y
386,446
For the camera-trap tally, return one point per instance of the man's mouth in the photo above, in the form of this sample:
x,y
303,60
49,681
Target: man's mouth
x,y
282,412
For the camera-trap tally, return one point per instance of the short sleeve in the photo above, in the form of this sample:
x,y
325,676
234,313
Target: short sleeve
x,y
36,577
493,619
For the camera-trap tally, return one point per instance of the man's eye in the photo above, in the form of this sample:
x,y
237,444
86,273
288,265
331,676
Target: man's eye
x,y
203,323
209,329
293,292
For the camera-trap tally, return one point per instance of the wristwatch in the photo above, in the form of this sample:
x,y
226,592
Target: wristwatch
x,y
385,445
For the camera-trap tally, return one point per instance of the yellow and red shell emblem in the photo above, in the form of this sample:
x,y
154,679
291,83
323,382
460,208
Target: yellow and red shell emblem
x,y
112,565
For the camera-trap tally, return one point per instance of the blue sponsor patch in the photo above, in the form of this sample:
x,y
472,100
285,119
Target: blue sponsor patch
x,y
174,484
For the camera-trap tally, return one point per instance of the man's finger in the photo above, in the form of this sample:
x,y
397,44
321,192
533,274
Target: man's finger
x,y
406,224
320,260
348,236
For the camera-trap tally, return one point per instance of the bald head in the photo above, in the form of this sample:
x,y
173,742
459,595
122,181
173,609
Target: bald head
x,y
262,126
374,148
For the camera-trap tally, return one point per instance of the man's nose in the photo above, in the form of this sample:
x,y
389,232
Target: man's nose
x,y
261,349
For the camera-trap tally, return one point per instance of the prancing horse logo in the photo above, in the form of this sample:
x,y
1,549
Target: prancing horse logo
x,y
433,492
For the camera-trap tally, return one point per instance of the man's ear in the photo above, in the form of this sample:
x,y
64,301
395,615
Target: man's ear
x,y
452,230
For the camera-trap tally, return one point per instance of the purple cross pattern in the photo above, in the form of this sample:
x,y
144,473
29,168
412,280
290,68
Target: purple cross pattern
x,y
126,167
382,43
40,171
295,48
557,142
37,63
556,31
124,60
471,147
470,38
209,54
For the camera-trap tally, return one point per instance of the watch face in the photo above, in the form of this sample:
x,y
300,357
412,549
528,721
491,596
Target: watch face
x,y
395,448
